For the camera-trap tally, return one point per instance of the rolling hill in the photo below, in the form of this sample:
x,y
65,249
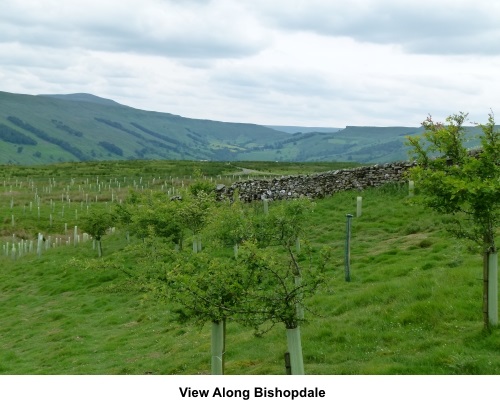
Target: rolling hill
x,y
80,127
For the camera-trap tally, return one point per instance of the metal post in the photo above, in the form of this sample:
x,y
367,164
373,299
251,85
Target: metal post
x,y
348,248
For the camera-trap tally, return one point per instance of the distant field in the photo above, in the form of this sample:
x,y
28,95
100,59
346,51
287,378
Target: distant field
x,y
174,168
413,305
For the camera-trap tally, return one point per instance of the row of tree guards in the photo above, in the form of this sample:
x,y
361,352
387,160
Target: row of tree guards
x,y
98,189
19,247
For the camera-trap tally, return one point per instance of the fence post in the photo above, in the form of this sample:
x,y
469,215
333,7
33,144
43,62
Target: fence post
x,y
347,259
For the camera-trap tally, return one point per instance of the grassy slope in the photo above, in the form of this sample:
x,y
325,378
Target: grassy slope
x,y
413,305
195,139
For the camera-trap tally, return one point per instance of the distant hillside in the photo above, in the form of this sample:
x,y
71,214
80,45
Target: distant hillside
x,y
294,130
79,127
90,98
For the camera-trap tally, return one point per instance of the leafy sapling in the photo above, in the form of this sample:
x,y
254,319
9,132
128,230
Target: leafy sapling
x,y
465,187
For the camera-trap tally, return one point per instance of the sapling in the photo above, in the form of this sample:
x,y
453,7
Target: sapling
x,y
277,297
282,288
229,224
96,224
464,187
208,289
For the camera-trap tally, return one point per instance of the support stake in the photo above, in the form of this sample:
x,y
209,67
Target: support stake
x,y
347,259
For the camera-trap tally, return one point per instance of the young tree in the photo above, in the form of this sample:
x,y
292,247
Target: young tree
x,y
279,296
96,223
209,289
151,210
455,182
263,286
192,213
229,224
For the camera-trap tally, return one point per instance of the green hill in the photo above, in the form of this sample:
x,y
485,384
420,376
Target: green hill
x,y
90,98
79,127
85,127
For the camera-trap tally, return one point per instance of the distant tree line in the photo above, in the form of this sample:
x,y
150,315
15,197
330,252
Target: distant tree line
x,y
11,135
154,142
120,127
43,135
197,140
112,148
194,133
156,134
298,137
383,148
62,126
223,154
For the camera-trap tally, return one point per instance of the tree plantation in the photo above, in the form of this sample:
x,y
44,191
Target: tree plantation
x,y
137,268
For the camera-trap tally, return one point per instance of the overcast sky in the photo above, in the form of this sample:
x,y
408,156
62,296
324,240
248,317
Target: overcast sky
x,y
282,62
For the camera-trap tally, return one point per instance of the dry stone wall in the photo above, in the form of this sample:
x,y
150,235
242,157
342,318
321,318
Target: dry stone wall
x,y
317,185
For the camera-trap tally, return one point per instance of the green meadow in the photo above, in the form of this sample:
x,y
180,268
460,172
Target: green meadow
x,y
413,305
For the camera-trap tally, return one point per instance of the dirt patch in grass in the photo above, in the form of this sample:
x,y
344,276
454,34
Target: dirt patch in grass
x,y
400,243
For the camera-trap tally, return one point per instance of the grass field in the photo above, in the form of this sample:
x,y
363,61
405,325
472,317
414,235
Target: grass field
x,y
413,305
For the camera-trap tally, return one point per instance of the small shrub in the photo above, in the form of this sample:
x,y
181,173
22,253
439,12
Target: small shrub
x,y
412,229
425,243
428,266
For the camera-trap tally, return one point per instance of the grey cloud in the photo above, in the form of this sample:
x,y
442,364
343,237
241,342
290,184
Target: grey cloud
x,y
291,82
417,26
189,29
16,55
